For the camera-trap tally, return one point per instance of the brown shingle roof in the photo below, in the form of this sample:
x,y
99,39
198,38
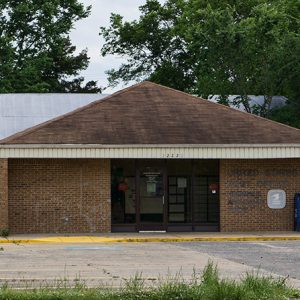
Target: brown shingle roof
x,y
148,113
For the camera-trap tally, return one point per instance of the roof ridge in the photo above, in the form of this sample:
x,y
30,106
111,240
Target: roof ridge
x,y
83,108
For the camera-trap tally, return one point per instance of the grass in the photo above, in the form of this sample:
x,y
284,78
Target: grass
x,y
207,286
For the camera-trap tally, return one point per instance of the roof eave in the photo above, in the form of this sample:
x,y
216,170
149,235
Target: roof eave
x,y
225,151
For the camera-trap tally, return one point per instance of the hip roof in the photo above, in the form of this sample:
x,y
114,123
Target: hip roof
x,y
147,113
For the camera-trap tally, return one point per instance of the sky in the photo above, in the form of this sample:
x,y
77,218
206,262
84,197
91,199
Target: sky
x,y
86,35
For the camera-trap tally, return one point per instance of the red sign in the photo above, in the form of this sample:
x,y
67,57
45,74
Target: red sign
x,y
123,187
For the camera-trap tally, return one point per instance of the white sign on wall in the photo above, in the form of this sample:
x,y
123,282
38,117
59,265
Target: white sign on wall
x,y
276,199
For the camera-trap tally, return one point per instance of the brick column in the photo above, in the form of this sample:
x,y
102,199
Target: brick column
x,y
105,215
223,200
3,194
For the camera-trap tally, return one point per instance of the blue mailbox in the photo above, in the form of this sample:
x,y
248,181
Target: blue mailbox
x,y
297,212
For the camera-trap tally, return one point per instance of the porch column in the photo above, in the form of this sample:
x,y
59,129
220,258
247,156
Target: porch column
x,y
3,193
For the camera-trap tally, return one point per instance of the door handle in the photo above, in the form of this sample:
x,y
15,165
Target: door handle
x,y
163,198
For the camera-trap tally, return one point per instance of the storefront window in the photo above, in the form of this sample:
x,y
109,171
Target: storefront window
x,y
206,191
179,186
123,192
169,193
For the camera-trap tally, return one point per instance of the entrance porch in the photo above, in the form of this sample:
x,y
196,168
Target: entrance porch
x,y
165,195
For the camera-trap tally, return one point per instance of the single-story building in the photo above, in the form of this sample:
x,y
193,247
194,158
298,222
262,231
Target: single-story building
x,y
150,158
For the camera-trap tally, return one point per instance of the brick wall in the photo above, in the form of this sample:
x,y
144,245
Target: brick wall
x,y
73,195
244,185
59,195
3,194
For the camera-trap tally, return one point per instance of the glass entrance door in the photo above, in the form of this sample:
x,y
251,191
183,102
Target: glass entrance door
x,y
151,199
158,194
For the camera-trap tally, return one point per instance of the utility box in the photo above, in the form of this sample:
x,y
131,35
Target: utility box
x,y
297,212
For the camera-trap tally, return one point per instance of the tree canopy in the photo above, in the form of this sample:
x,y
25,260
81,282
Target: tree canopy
x,y
36,54
211,47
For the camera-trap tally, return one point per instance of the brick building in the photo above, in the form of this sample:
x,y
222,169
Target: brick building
x,y
150,158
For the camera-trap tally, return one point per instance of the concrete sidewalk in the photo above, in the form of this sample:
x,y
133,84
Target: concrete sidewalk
x,y
151,237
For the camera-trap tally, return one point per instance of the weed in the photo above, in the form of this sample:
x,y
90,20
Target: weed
x,y
208,286
4,232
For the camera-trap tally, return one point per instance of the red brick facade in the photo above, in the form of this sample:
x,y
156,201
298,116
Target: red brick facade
x,y
3,194
73,195
59,195
244,185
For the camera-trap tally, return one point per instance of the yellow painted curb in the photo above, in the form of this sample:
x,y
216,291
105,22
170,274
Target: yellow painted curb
x,y
92,239
19,241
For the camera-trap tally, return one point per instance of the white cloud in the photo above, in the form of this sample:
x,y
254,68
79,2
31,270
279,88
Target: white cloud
x,y
86,35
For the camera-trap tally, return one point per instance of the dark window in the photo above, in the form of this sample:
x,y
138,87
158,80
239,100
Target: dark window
x,y
178,191
123,200
206,199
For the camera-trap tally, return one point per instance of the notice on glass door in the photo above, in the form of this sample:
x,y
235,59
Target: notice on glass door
x,y
151,187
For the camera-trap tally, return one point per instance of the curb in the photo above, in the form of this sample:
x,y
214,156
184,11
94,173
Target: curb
x,y
85,239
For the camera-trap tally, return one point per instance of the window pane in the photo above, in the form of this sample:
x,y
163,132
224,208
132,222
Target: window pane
x,y
123,203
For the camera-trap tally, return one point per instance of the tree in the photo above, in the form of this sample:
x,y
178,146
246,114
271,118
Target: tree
x,y
153,47
290,114
211,47
36,54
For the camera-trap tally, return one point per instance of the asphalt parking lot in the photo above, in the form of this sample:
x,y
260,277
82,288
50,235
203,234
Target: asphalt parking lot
x,y
111,264
282,258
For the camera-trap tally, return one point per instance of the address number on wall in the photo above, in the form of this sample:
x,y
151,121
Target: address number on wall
x,y
172,155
